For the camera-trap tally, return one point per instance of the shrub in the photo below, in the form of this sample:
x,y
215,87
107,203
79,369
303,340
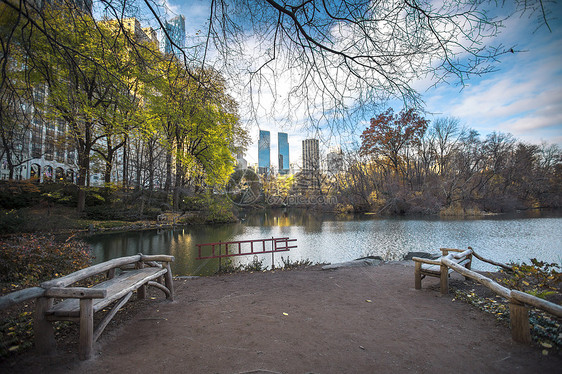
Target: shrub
x,y
31,259
151,213
11,221
540,278
288,264
191,203
18,194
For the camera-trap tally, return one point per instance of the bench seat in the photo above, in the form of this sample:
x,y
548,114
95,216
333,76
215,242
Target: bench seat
x,y
116,288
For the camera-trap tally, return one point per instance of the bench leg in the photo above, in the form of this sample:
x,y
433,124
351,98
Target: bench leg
x,y
43,329
86,329
417,276
169,281
141,292
444,279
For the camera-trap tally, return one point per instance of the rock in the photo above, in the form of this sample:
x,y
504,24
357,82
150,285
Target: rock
x,y
432,256
186,277
360,262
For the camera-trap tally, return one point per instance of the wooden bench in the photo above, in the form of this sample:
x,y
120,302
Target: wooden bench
x,y
123,276
435,268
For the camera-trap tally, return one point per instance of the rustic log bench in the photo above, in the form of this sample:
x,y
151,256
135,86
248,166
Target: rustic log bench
x,y
435,268
123,276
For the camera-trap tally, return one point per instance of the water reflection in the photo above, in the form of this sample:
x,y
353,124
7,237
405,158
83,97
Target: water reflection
x,y
327,238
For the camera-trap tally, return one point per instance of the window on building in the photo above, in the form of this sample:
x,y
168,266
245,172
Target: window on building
x,y
36,138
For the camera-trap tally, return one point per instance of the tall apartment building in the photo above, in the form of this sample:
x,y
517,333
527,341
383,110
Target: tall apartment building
x,y
283,152
140,34
334,160
175,28
310,155
264,146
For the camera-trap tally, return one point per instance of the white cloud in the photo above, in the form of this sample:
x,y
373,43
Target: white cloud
x,y
523,98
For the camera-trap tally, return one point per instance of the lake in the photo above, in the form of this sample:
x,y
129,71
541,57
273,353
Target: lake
x,y
324,238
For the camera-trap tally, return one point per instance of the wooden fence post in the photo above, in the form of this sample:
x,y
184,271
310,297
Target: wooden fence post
x,y
519,321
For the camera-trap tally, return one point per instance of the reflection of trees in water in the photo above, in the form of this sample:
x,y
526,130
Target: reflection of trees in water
x,y
310,220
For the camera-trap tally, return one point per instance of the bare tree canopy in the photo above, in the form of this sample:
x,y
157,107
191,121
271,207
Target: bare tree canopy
x,y
327,59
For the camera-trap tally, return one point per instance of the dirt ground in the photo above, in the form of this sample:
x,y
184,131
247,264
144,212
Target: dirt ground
x,y
349,320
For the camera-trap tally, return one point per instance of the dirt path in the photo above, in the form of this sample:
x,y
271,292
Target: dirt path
x,y
349,320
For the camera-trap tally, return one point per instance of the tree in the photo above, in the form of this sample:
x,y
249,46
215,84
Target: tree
x,y
16,92
389,134
199,123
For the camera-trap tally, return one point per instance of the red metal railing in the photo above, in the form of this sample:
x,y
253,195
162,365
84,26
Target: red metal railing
x,y
245,247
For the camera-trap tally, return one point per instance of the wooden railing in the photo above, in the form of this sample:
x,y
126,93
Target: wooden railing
x,y
518,301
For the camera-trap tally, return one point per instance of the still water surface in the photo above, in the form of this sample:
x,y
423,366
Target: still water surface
x,y
324,238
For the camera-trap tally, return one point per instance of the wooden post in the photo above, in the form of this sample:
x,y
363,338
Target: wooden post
x,y
169,280
444,279
43,329
417,275
86,342
519,321
111,273
468,265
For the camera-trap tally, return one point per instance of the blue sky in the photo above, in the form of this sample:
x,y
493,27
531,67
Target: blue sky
x,y
523,97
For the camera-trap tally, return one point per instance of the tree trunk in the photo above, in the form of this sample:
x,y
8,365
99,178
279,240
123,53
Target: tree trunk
x,y
168,183
83,173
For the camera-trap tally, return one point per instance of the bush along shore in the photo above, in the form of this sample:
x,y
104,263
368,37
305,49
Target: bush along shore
x,y
27,207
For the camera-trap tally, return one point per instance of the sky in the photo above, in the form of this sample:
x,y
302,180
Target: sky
x,y
523,97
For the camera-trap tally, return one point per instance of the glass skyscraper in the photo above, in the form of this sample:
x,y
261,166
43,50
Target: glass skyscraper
x,y
283,147
175,28
264,145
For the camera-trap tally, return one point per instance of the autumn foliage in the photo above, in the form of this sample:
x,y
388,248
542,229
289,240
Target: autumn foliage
x,y
30,259
391,133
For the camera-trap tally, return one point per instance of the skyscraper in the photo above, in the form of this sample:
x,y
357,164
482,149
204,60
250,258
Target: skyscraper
x,y
283,151
310,155
334,160
175,28
264,144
